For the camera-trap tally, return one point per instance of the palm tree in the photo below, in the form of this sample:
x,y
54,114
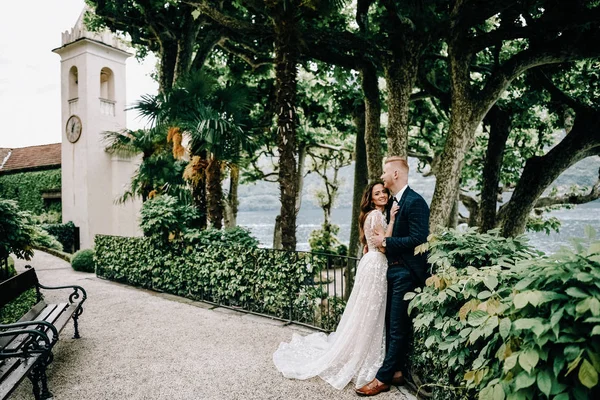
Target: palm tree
x,y
210,115
158,171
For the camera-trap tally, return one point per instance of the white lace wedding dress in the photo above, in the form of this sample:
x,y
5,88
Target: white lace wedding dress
x,y
355,351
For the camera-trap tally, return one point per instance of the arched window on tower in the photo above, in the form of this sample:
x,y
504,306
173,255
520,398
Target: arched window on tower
x,y
107,92
73,90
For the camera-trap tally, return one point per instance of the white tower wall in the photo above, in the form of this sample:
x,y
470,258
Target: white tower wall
x,y
93,179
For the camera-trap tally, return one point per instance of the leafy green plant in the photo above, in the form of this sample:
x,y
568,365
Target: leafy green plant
x,y
64,233
41,238
325,241
229,236
16,231
164,217
83,261
14,310
521,329
261,280
26,188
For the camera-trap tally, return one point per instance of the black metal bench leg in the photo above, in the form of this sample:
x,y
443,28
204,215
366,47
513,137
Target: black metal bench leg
x,y
44,379
34,377
76,315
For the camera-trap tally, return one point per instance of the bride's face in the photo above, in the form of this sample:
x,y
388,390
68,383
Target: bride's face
x,y
379,195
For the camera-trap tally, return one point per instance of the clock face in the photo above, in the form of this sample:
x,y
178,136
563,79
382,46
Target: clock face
x,y
73,128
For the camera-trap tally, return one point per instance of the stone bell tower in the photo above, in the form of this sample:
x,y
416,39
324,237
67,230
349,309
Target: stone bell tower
x,y
92,102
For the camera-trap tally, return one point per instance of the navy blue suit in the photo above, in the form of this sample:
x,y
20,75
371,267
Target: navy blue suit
x,y
406,271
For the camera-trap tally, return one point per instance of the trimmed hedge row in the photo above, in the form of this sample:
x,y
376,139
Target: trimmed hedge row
x,y
260,280
64,233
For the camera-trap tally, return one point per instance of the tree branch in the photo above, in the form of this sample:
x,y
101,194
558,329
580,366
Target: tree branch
x,y
571,198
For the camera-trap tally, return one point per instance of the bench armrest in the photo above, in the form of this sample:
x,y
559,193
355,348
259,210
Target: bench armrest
x,y
73,297
32,332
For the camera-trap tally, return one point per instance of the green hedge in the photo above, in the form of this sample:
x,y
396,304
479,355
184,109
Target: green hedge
x,y
27,187
14,310
64,233
259,280
509,323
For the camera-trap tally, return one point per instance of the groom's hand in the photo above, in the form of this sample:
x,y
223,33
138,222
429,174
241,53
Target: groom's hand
x,y
377,238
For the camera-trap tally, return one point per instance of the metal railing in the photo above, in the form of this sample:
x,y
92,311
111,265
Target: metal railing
x,y
318,302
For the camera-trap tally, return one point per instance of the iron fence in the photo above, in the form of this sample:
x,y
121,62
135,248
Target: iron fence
x,y
317,302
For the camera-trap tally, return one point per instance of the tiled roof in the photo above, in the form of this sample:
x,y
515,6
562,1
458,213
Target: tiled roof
x,y
33,157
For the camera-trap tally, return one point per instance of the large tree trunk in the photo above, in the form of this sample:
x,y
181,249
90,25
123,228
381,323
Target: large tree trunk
x,y
400,75
299,186
185,46
285,81
214,193
372,122
539,173
360,182
463,122
500,125
231,208
168,60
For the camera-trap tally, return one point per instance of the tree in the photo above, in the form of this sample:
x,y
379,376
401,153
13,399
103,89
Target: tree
x,y
16,233
553,33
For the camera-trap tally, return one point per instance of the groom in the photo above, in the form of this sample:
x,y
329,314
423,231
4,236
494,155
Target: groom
x,y
405,272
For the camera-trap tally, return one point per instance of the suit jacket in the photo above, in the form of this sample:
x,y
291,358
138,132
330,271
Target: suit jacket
x,y
411,229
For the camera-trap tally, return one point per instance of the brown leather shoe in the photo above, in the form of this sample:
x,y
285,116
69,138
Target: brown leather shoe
x,y
373,388
398,381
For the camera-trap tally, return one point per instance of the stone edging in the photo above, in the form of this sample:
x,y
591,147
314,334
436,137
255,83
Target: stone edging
x,y
62,255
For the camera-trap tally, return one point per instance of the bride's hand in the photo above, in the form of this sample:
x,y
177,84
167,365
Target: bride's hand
x,y
393,212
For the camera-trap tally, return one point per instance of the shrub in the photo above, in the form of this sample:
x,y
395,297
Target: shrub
x,y
16,231
261,280
518,329
83,261
325,241
64,233
231,237
165,218
14,310
41,238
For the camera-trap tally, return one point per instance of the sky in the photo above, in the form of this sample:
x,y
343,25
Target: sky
x,y
30,111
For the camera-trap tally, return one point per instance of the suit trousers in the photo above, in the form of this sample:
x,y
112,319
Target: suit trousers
x,y
397,322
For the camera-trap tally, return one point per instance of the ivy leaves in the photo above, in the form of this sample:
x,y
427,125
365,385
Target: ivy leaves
x,y
521,331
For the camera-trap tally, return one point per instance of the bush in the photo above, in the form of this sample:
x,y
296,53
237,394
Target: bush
x,y
522,328
16,231
325,241
165,218
236,236
41,238
260,280
14,310
64,233
83,261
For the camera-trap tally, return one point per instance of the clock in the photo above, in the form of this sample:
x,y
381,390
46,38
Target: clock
x,y
73,128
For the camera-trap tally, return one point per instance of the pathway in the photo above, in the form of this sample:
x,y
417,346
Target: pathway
x,y
138,344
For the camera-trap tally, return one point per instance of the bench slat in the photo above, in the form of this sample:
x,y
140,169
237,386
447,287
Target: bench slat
x,y
16,372
12,342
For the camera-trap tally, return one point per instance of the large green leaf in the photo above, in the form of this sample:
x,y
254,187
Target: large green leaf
x,y
587,374
528,359
524,380
544,381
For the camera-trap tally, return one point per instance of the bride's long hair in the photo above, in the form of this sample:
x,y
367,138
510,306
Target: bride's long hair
x,y
366,206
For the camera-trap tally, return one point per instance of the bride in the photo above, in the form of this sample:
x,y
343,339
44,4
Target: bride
x,y
355,351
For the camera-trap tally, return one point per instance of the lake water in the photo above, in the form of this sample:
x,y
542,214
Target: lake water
x,y
260,221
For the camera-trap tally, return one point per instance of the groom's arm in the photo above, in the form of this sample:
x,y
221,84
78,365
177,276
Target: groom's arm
x,y
418,228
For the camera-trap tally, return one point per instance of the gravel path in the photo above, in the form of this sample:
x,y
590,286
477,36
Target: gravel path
x,y
137,344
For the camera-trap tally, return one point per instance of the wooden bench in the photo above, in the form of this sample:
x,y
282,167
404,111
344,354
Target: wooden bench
x,y
26,346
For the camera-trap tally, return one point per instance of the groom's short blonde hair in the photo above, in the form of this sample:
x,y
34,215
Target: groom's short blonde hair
x,y
402,163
